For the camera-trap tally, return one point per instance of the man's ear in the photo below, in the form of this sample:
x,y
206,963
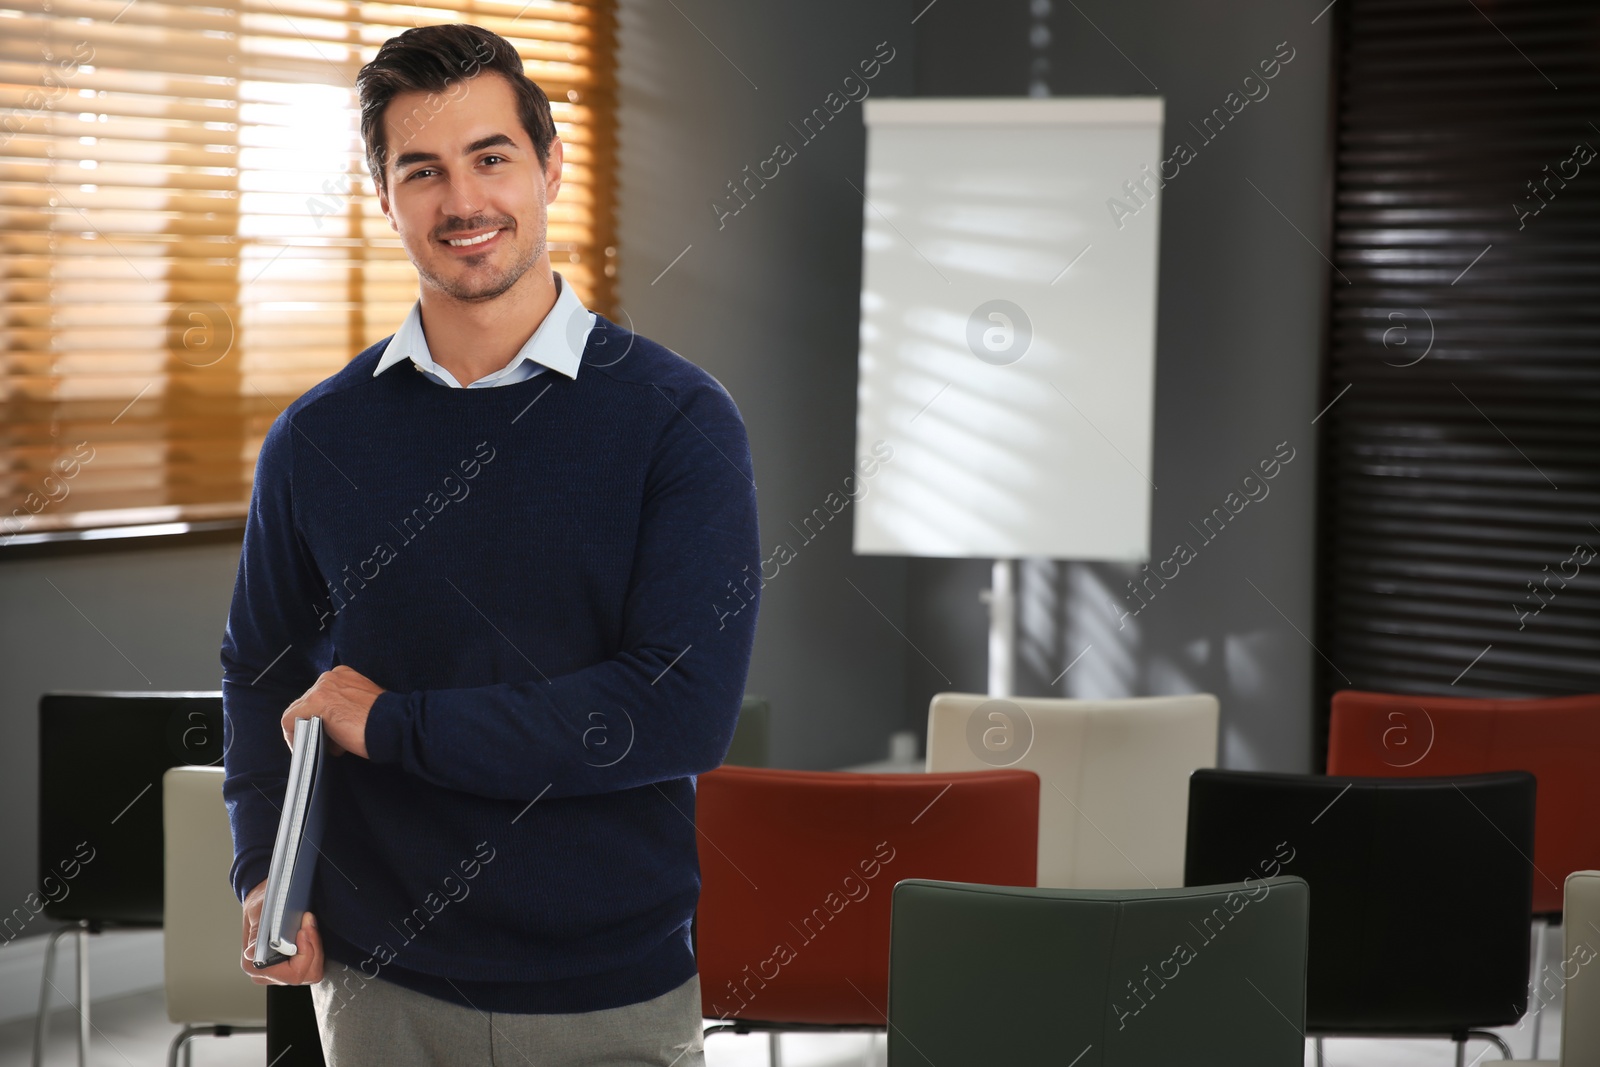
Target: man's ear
x,y
552,170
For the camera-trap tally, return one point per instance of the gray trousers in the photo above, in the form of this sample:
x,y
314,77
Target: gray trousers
x,y
391,1026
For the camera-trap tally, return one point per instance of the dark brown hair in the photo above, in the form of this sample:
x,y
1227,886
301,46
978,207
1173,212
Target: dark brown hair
x,y
433,59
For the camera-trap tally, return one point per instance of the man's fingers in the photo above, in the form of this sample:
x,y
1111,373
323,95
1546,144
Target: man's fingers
x,y
286,724
303,968
310,948
249,949
253,902
306,966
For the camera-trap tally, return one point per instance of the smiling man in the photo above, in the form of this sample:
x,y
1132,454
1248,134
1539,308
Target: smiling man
x,y
485,553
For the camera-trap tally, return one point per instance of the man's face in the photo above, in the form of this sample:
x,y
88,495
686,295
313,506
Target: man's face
x,y
461,167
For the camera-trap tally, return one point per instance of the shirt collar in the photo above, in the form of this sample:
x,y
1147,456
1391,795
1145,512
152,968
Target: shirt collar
x,y
558,343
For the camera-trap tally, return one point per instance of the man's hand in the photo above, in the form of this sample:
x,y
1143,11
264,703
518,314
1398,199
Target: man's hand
x,y
303,968
343,698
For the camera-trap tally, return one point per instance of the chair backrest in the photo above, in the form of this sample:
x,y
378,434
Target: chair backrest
x,y
101,758
980,975
1579,971
1421,888
751,734
796,870
1113,776
1557,739
204,981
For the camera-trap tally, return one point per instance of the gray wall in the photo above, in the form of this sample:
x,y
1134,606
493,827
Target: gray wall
x,y
1239,329
768,301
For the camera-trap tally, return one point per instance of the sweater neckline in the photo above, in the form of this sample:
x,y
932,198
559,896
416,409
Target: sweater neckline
x,y
527,385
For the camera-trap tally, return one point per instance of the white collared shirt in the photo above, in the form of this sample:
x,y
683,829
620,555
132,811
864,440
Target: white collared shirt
x,y
557,343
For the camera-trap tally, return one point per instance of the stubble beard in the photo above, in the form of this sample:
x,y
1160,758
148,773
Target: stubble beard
x,y
467,293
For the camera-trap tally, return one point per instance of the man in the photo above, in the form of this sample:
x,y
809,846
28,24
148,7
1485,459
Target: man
x,y
488,553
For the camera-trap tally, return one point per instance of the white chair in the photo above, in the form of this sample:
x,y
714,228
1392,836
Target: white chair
x,y
1113,776
207,991
1577,975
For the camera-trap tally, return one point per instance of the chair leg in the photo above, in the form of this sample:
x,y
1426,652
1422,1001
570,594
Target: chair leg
x,y
1492,1038
83,993
182,1046
179,1049
1320,1061
775,1049
44,994
1484,1035
1540,930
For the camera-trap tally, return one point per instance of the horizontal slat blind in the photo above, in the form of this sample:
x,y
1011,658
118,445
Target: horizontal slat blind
x,y
1462,449
189,240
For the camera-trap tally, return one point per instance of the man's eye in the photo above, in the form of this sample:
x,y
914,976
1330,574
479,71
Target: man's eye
x,y
419,172
489,158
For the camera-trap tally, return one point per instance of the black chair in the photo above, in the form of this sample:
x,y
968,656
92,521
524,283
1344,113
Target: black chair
x,y
1421,891
293,1037
101,860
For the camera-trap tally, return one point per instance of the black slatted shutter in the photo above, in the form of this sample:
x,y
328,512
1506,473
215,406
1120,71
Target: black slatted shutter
x,y
1460,515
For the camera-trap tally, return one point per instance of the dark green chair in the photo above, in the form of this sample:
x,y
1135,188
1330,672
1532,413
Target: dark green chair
x,y
980,975
750,745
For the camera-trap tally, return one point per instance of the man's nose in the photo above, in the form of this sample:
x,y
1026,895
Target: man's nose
x,y
463,196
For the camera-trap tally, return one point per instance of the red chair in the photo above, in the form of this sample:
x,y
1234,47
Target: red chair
x,y
797,869
1558,739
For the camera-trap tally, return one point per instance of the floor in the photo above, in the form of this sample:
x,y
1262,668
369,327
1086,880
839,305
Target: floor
x,y
127,1031
133,1031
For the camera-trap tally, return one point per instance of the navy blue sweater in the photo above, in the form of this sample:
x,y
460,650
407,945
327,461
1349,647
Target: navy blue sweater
x,y
557,583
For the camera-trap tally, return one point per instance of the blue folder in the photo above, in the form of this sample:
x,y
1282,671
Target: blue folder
x,y
294,853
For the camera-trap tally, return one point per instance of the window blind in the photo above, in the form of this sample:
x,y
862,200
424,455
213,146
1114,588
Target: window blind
x,y
1461,456
189,238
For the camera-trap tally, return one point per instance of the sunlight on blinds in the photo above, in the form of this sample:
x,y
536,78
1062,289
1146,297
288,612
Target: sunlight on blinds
x,y
189,238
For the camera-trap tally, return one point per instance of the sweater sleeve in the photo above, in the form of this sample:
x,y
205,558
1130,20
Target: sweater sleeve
x,y
273,650
665,705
